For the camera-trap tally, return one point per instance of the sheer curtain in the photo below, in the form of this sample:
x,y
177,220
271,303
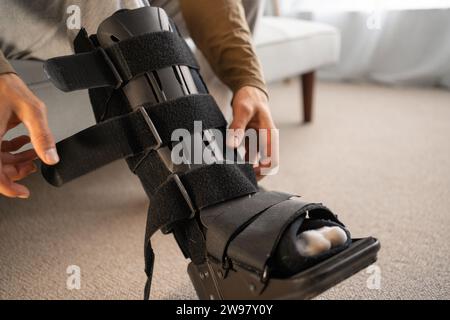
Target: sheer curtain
x,y
394,42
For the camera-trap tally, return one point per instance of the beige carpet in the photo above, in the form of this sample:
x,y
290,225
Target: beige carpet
x,y
378,156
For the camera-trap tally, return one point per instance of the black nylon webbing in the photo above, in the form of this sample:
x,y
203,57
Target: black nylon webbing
x,y
224,221
119,63
194,243
152,172
82,71
205,186
126,135
149,260
255,245
168,206
82,43
138,55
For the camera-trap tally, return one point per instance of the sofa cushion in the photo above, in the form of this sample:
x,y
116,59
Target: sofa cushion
x,y
288,47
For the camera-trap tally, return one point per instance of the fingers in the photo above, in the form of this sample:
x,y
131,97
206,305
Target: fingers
x,y
21,105
242,114
19,171
11,173
35,119
13,122
14,144
25,156
12,189
14,167
258,174
251,110
269,153
248,102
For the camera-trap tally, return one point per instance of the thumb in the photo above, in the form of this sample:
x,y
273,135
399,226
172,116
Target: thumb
x,y
236,131
35,119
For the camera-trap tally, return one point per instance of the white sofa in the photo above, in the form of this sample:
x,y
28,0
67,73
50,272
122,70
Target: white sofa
x,y
291,47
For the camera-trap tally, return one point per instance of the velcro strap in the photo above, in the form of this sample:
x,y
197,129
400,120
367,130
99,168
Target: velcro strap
x,y
180,197
254,246
119,63
131,134
137,55
224,221
83,71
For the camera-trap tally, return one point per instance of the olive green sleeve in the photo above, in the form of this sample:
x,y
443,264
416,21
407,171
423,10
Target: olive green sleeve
x,y
220,31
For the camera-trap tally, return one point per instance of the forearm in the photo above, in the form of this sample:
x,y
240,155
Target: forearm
x,y
5,67
220,31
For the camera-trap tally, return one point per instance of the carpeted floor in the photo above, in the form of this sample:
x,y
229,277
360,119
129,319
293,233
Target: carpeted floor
x,y
378,156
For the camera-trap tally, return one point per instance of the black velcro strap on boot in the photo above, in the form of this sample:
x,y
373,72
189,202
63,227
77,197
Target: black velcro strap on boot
x,y
254,246
83,71
119,63
151,170
148,128
149,260
132,55
224,221
180,197
178,200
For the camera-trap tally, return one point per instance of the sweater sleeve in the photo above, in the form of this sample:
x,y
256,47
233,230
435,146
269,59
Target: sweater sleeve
x,y
5,67
220,31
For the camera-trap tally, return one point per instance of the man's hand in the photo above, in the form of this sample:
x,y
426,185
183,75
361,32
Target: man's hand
x,y
251,111
19,105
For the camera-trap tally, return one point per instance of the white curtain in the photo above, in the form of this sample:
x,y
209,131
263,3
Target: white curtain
x,y
360,5
394,42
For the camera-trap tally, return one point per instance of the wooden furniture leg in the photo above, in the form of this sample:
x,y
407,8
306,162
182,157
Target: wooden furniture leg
x,y
307,80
